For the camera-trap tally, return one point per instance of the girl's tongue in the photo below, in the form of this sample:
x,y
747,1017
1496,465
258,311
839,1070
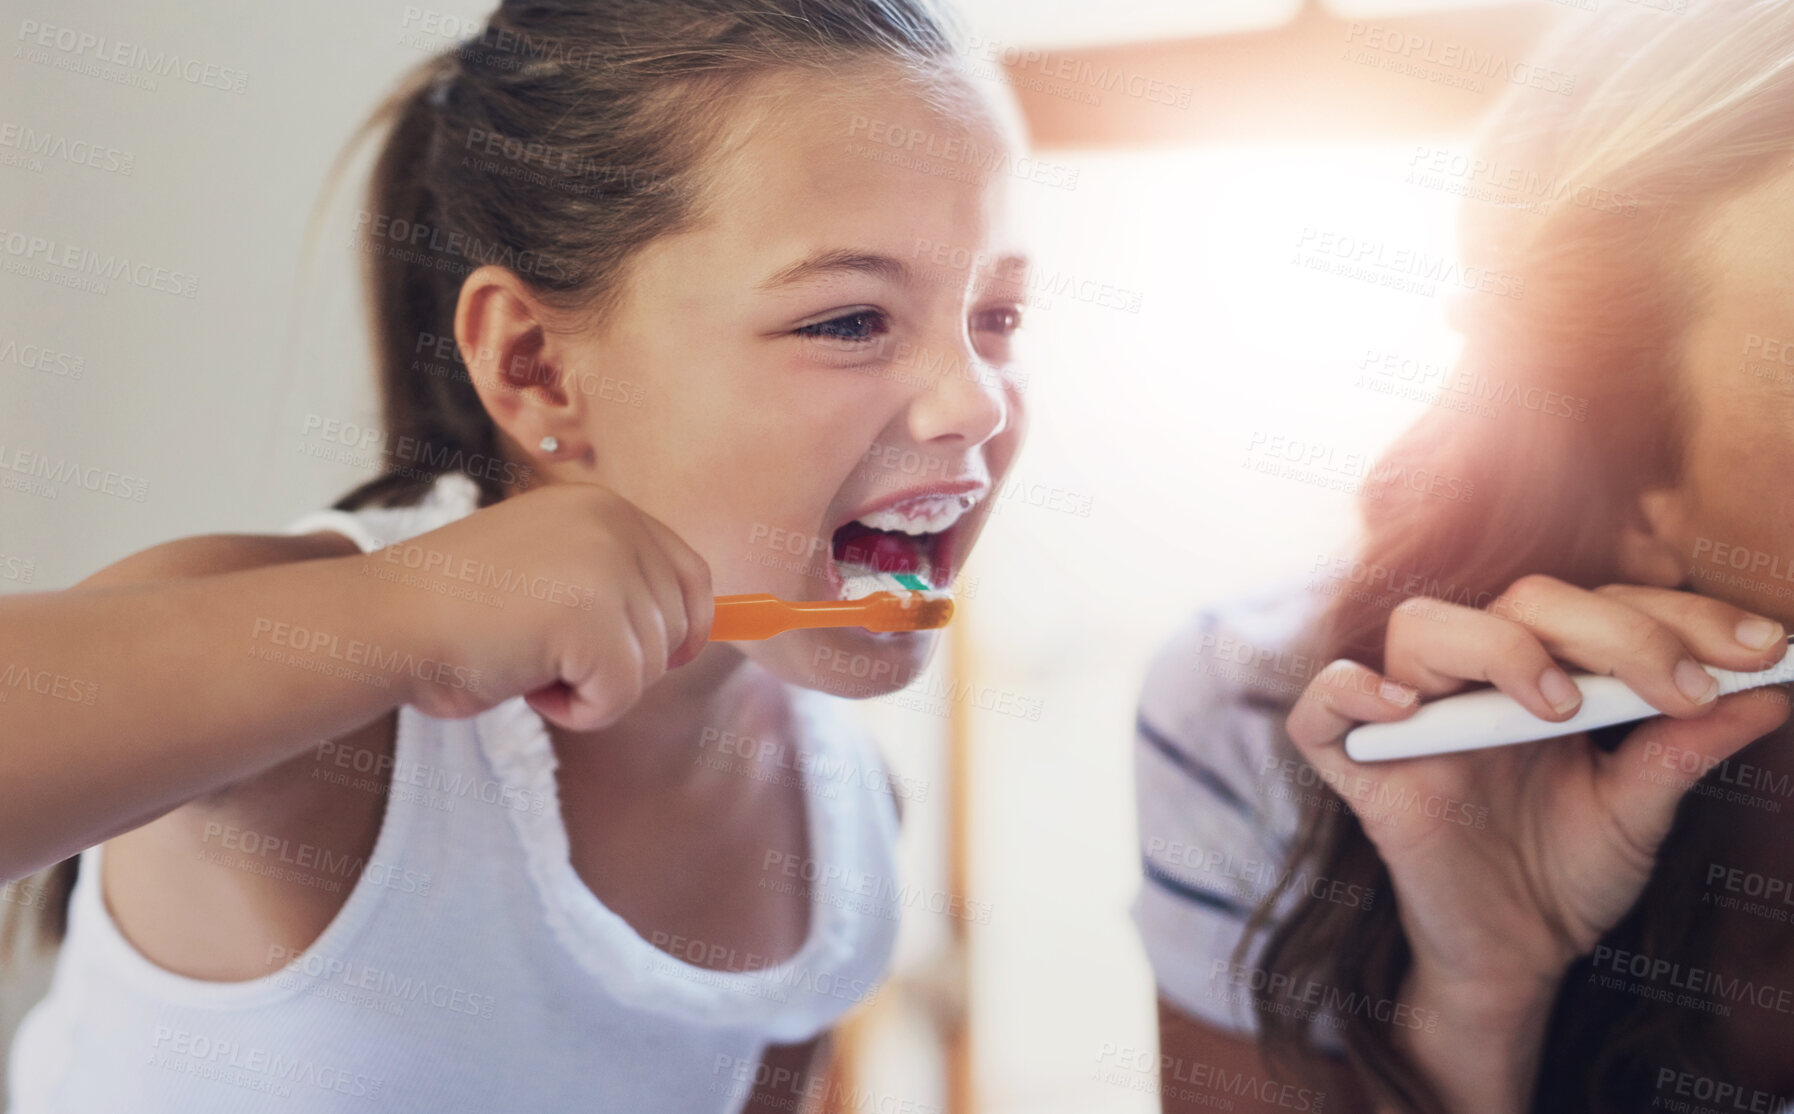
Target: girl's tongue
x,y
880,550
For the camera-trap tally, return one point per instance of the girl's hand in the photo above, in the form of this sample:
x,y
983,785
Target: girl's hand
x,y
1509,863
580,600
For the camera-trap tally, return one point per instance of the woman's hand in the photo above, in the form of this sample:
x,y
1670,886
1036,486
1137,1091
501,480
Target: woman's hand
x,y
1509,863
591,601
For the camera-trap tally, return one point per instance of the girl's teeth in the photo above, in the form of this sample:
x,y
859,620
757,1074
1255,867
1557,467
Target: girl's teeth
x,y
922,516
857,583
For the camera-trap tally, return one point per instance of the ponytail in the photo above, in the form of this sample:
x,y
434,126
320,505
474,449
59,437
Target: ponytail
x,y
429,419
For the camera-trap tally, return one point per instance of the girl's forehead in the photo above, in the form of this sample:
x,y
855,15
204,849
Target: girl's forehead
x,y
864,154
875,112
880,166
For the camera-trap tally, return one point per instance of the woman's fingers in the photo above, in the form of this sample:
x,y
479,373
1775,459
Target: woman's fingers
x,y
1646,776
1649,638
1340,697
1437,647
1717,632
1654,640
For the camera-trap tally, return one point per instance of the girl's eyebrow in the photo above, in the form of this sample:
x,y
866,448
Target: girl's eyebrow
x,y
886,267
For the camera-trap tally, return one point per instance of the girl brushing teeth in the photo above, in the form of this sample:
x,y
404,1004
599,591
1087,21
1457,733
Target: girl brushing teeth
x,y
619,923
908,533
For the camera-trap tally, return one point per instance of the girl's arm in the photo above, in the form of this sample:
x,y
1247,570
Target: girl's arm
x,y
120,700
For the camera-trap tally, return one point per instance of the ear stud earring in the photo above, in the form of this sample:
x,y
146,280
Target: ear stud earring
x,y
550,444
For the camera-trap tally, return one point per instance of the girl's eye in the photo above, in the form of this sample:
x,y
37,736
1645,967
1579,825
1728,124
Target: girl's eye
x,y
1002,319
858,327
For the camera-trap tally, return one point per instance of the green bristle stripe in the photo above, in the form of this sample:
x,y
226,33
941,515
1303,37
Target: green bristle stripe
x,y
911,581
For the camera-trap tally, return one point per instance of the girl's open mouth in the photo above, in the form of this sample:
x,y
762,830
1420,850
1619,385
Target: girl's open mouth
x,y
914,533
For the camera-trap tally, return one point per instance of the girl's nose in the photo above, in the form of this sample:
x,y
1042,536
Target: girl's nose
x,y
964,401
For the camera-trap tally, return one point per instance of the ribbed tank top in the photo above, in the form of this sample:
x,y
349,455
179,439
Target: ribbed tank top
x,y
470,969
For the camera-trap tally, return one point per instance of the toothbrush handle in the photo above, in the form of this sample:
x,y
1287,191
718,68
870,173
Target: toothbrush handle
x,y
1491,718
746,618
757,615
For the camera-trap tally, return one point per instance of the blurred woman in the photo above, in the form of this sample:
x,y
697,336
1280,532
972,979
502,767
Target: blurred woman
x,y
1561,925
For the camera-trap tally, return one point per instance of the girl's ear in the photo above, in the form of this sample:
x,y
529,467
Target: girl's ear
x,y
516,367
1650,551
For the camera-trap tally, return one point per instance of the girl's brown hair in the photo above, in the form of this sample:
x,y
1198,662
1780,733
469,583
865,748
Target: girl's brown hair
x,y
1575,343
558,142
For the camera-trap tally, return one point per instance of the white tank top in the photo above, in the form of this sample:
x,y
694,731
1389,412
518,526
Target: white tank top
x,y
470,968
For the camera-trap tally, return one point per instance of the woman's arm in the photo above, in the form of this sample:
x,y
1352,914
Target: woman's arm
x,y
1483,1050
1199,1064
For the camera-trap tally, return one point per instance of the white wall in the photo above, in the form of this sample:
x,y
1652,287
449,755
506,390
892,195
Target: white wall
x,y
200,399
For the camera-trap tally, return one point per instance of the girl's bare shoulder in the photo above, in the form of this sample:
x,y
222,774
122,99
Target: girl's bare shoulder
x,y
185,887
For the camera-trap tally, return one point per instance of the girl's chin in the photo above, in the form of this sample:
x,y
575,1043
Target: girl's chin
x,y
849,661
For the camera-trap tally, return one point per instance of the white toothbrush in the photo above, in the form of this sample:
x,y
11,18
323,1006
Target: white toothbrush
x,y
1491,718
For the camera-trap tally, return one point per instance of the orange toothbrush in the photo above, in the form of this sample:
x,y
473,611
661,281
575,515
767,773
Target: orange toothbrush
x,y
756,616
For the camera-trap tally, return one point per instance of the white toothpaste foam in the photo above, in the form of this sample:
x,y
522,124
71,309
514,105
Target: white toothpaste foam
x,y
858,582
